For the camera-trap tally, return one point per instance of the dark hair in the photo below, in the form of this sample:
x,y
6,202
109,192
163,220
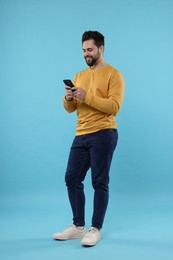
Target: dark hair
x,y
94,35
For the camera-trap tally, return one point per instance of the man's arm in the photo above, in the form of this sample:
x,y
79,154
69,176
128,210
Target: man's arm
x,y
112,104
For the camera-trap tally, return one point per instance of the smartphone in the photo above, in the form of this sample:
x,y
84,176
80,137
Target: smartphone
x,y
69,83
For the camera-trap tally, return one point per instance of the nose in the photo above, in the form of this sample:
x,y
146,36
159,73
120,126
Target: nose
x,y
86,53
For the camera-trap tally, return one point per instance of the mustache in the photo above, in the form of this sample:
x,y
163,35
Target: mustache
x,y
88,57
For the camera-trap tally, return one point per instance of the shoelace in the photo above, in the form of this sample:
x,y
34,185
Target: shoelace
x,y
91,231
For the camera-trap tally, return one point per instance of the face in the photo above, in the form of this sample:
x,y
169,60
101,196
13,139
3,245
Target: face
x,y
91,52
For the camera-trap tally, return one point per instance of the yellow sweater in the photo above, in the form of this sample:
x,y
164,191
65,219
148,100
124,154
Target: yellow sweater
x,y
104,95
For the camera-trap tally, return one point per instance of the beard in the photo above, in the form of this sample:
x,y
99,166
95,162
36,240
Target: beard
x,y
90,60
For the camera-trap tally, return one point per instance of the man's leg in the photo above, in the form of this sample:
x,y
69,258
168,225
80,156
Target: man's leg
x,y
77,167
101,152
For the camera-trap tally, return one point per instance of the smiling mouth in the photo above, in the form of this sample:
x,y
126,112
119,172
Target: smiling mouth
x,y
88,57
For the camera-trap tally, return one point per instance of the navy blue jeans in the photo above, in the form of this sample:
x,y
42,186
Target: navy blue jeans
x,y
93,151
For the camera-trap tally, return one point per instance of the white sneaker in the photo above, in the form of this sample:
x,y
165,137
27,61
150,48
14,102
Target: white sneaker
x,y
71,232
91,238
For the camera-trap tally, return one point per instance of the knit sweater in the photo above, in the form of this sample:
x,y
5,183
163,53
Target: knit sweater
x,y
104,95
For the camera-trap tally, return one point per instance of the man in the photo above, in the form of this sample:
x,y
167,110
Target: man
x,y
97,97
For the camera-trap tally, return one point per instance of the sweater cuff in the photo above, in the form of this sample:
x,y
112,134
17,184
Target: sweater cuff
x,y
67,100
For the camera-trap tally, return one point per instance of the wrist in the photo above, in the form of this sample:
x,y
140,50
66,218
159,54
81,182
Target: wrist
x,y
68,99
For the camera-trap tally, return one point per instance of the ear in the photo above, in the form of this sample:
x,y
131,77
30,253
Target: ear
x,y
101,48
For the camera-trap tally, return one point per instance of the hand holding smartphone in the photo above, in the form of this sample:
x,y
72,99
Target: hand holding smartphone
x,y
69,83
79,94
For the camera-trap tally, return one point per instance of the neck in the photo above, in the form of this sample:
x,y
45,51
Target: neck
x,y
99,64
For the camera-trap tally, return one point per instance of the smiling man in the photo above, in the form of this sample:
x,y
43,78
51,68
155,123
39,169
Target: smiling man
x,y
92,53
97,98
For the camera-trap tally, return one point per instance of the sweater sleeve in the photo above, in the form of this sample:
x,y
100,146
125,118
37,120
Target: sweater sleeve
x,y
112,103
70,106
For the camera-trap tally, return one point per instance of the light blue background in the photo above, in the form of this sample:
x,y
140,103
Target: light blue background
x,y
40,45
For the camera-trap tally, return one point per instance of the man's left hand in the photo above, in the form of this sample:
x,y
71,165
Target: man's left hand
x,y
79,93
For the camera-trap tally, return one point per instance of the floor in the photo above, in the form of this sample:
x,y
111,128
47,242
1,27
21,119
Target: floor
x,y
137,226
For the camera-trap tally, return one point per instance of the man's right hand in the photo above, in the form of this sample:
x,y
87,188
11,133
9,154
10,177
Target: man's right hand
x,y
68,93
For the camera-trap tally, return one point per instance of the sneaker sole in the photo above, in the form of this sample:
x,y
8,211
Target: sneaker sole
x,y
89,244
66,238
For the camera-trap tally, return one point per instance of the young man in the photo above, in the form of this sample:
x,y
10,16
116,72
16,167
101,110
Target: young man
x,y
97,98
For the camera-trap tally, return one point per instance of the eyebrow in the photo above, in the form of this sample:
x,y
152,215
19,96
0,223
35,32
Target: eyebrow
x,y
88,49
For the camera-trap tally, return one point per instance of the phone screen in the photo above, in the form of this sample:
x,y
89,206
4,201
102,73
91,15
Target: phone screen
x,y
69,83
